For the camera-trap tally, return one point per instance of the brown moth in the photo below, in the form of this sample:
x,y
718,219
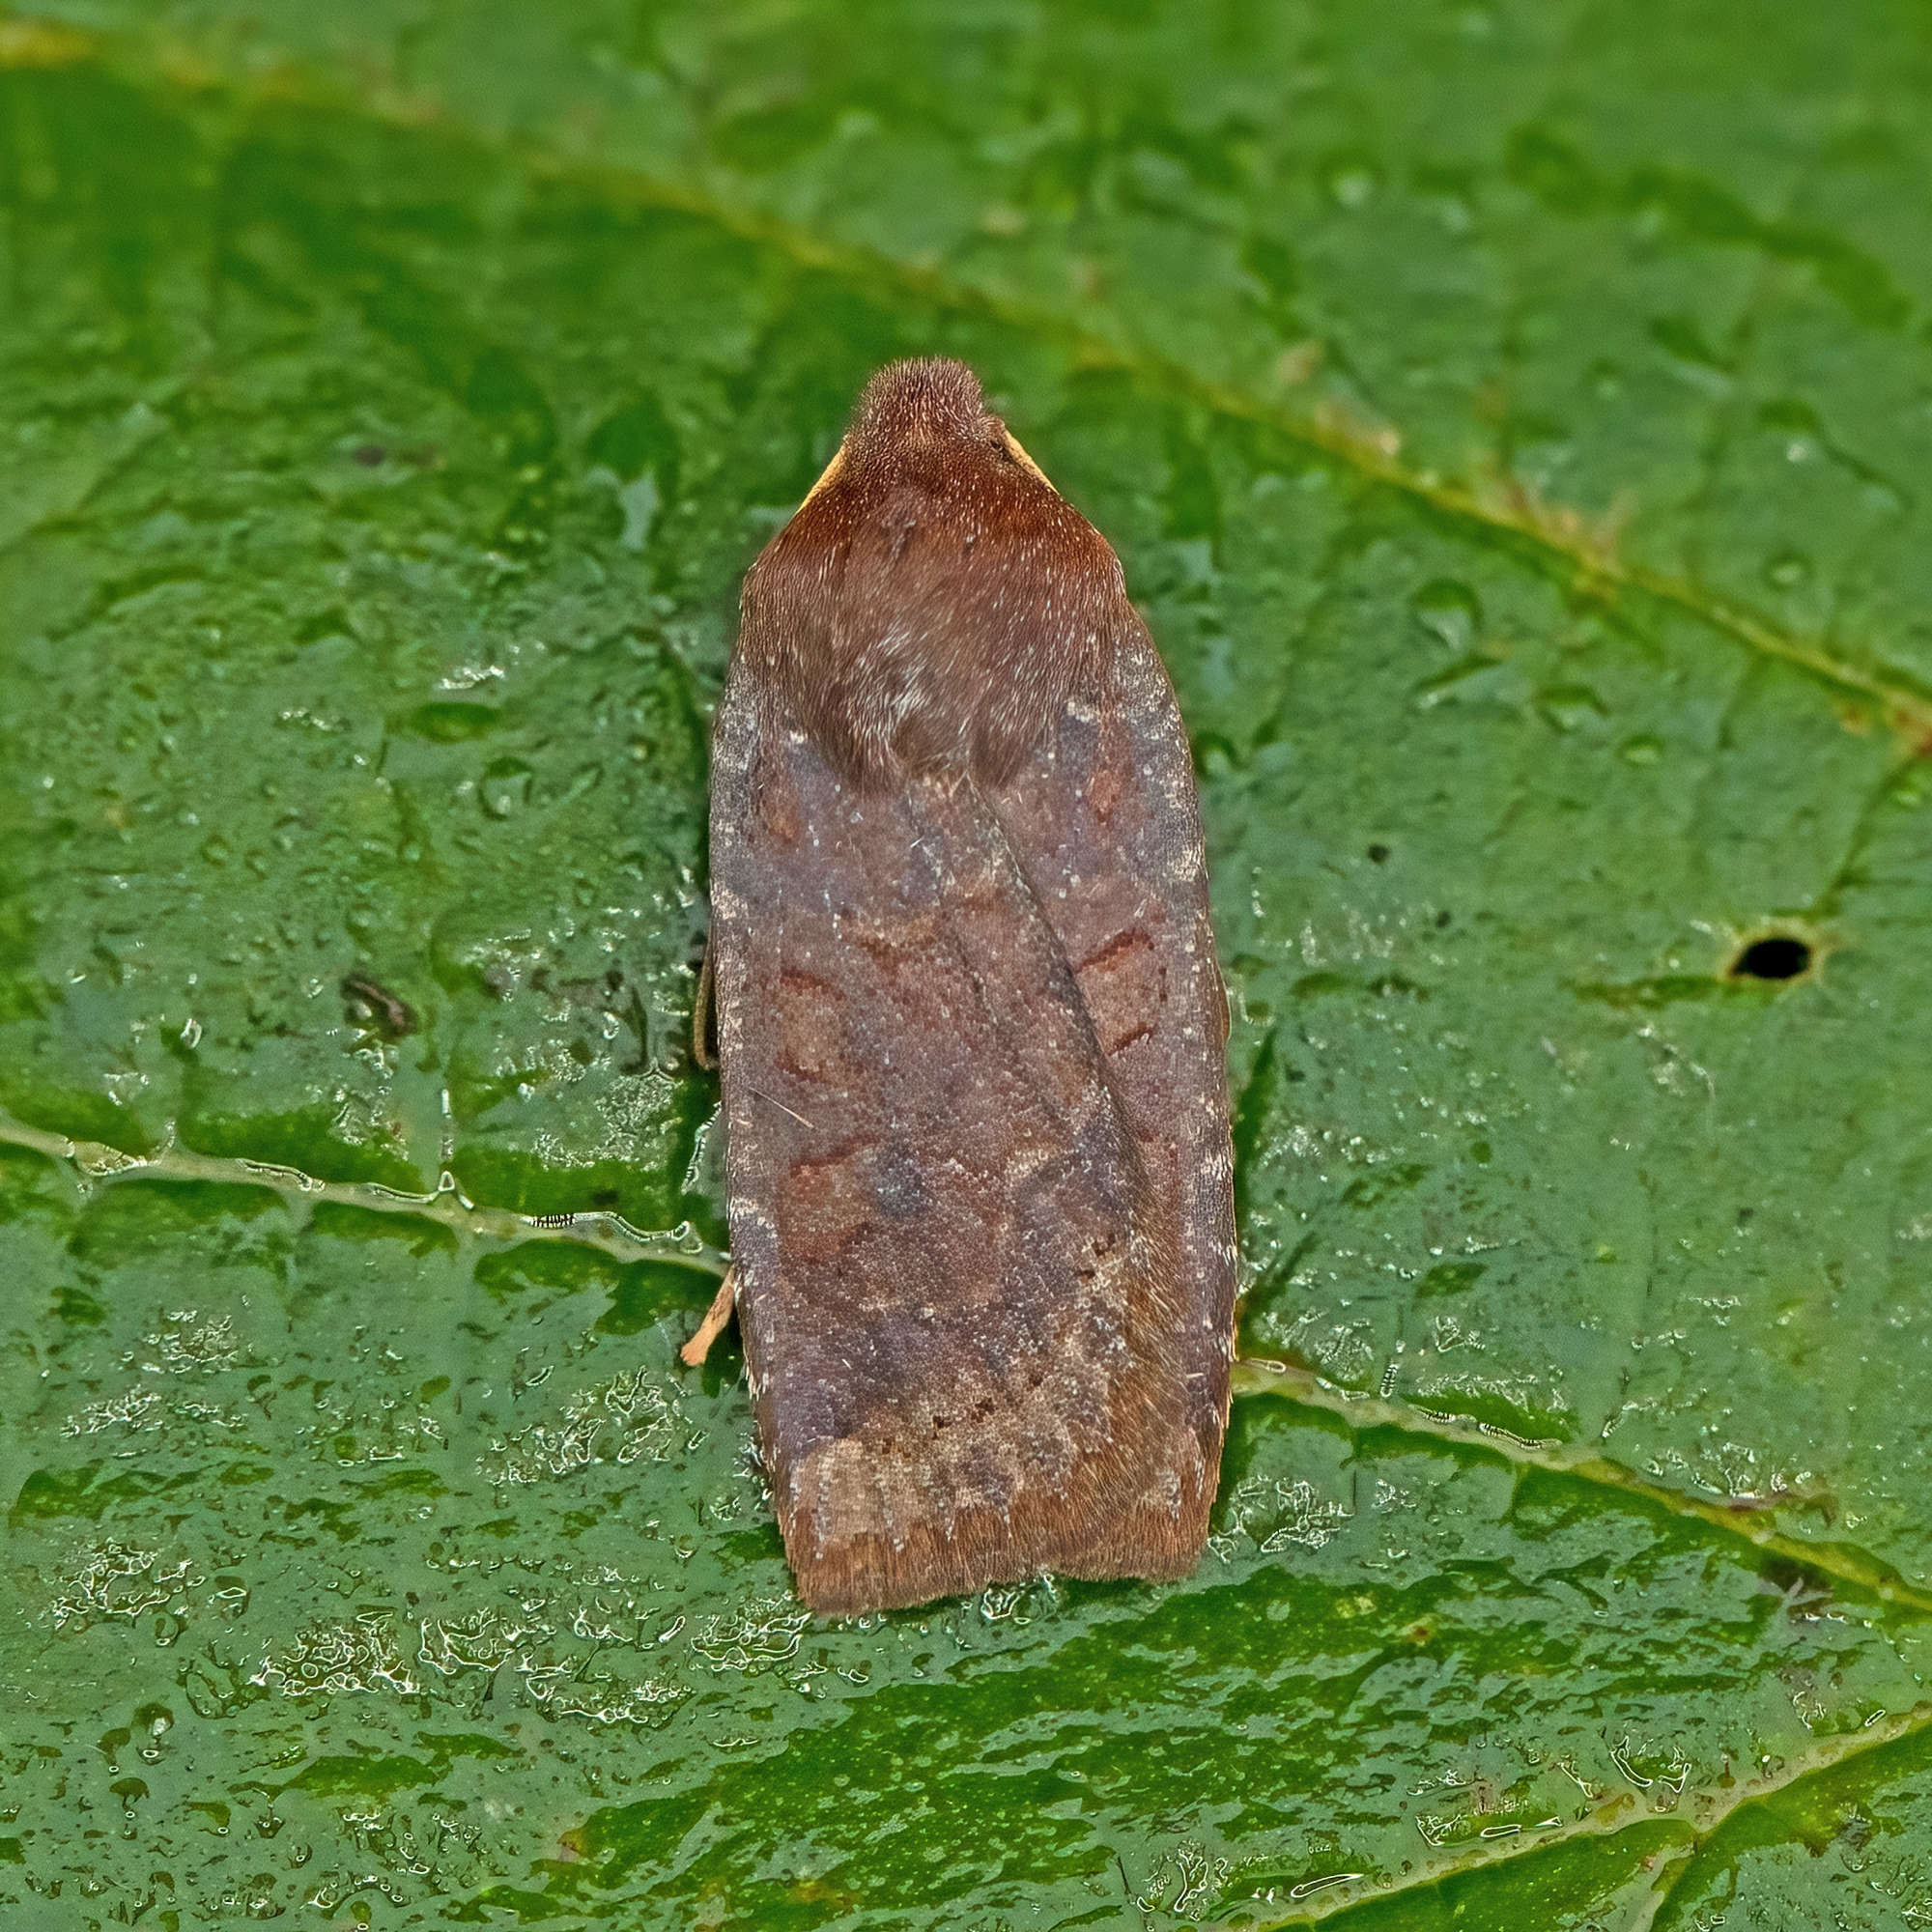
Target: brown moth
x,y
971,1030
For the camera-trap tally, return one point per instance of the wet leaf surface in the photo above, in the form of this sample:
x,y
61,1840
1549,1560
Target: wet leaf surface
x,y
1511,423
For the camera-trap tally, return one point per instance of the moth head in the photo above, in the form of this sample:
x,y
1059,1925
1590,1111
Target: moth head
x,y
929,413
935,602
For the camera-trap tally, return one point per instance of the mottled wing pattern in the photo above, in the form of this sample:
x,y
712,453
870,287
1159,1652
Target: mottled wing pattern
x,y
1108,826
970,1335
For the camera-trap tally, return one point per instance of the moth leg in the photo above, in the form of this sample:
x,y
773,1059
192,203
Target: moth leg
x,y
715,1317
700,1018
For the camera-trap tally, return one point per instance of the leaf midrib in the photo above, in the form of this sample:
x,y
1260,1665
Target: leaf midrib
x,y
102,1165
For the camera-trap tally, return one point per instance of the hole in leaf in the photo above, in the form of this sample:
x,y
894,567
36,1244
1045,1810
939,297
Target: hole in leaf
x,y
1780,956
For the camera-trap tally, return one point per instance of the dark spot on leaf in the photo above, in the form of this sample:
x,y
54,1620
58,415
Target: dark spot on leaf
x,y
368,1003
1780,957
1379,853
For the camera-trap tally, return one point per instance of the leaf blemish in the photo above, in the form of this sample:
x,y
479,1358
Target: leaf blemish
x,y
1776,955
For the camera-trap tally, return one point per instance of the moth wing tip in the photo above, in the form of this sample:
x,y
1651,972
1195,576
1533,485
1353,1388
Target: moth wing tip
x,y
1151,1539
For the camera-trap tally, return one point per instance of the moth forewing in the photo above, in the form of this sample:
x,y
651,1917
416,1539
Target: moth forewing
x,y
970,1031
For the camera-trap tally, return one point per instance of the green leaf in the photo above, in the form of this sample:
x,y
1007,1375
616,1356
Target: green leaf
x,y
1512,421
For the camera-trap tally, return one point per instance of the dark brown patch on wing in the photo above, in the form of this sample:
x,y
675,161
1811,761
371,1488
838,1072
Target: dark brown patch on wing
x,y
1125,987
825,1205
1103,792
811,1030
927,986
